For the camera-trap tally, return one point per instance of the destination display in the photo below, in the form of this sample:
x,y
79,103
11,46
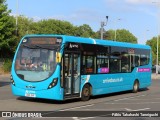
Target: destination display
x,y
43,40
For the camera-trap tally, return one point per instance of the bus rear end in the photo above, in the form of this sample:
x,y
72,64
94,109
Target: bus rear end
x,y
35,72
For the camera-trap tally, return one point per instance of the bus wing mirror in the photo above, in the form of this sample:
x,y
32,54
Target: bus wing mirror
x,y
58,57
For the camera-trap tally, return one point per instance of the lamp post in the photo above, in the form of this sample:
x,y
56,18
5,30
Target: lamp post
x,y
102,27
158,19
115,34
145,35
16,17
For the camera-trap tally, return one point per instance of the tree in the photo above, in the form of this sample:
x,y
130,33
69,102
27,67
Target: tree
x,y
122,35
84,31
53,26
7,29
153,43
24,26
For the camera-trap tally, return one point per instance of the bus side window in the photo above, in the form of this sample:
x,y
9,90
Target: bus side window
x,y
125,60
137,60
102,63
88,65
144,60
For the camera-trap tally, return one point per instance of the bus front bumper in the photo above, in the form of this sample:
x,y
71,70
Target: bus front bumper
x,y
46,94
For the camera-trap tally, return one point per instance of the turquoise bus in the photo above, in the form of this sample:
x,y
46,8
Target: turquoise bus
x,y
61,67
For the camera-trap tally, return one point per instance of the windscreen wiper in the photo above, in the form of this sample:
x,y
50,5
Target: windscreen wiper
x,y
30,47
45,47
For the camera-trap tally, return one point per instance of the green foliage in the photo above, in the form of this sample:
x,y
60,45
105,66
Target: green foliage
x,y
24,25
153,43
52,26
7,65
7,38
122,35
84,31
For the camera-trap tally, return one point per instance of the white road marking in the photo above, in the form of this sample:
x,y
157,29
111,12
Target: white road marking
x,y
75,118
105,109
130,97
146,99
77,107
87,118
137,109
135,103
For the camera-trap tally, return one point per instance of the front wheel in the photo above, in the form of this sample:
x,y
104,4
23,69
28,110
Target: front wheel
x,y
136,87
85,95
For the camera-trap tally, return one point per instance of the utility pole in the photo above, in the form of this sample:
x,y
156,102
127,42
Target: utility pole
x,y
115,34
102,27
145,34
16,17
158,30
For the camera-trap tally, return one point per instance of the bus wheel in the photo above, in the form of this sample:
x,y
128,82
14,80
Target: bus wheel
x,y
136,87
85,95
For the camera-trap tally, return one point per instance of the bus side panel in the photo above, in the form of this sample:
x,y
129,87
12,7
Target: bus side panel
x,y
143,76
109,83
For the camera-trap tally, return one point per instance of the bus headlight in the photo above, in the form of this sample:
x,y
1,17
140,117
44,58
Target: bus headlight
x,y
53,83
12,81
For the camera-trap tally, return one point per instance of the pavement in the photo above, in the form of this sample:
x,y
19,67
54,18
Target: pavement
x,y
155,76
5,75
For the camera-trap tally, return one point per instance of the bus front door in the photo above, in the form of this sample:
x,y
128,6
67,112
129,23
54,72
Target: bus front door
x,y
71,75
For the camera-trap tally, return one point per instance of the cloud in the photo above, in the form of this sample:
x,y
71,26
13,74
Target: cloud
x,y
13,14
131,6
136,2
131,2
82,16
37,18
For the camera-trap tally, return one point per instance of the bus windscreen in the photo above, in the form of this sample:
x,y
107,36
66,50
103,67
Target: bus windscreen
x,y
36,58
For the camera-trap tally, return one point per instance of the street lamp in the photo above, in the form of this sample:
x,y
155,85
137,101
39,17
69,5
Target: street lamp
x,y
115,34
17,17
102,27
158,3
145,36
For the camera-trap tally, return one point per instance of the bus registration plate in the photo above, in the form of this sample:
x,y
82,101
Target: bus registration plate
x,y
30,93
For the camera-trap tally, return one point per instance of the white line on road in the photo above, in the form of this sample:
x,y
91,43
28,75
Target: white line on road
x,y
77,107
137,109
135,103
75,118
146,99
130,97
105,109
87,118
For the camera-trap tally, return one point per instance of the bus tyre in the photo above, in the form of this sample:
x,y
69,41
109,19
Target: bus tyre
x,y
85,95
136,87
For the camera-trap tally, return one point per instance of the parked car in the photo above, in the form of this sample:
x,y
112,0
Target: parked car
x,y
153,69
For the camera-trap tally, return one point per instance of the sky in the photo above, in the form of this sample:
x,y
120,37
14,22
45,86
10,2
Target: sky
x,y
140,17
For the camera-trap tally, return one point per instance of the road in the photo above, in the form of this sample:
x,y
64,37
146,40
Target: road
x,y
145,100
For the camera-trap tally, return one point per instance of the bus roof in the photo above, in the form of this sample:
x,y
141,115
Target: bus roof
x,y
93,41
104,42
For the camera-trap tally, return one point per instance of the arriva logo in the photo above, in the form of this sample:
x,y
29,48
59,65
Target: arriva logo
x,y
73,46
112,80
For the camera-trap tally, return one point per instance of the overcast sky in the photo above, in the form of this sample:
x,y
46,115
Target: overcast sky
x,y
140,17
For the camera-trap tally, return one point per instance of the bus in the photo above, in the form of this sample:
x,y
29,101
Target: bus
x,y
61,67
